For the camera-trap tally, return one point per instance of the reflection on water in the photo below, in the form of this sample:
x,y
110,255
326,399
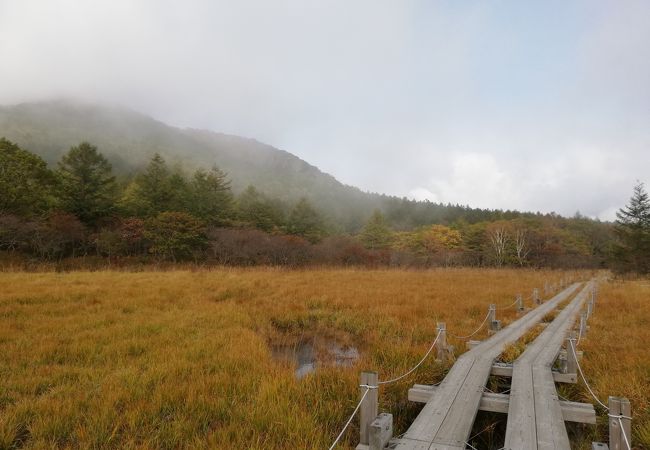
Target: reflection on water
x,y
307,359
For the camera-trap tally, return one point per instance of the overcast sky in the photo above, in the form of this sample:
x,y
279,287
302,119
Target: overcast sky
x,y
541,106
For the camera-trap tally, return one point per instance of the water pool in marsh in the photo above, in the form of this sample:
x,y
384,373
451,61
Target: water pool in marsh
x,y
307,355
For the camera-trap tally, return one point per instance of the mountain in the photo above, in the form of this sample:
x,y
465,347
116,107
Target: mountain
x,y
129,139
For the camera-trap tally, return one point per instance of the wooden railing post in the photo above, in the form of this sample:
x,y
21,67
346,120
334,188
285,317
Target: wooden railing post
x,y
571,362
536,299
590,308
547,289
369,407
619,406
583,325
493,323
520,303
441,345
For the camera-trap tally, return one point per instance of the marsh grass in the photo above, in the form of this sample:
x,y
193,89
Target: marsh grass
x,y
183,359
616,358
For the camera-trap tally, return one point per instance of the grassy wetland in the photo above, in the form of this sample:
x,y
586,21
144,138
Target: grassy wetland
x,y
189,359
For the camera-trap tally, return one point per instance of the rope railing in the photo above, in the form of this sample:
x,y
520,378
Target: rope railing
x,y
575,355
369,387
433,344
474,332
582,375
354,413
618,417
510,305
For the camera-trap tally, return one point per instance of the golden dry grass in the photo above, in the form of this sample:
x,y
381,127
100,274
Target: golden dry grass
x,y
182,359
617,356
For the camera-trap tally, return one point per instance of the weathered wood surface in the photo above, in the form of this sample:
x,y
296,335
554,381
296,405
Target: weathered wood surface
x,y
492,402
446,420
535,419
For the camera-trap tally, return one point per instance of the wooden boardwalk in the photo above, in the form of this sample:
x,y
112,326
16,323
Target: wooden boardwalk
x,y
535,419
447,418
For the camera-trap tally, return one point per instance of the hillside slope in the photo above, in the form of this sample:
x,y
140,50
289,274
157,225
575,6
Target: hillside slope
x,y
129,139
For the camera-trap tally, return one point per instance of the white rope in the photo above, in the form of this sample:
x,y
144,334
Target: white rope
x,y
620,423
363,397
417,365
475,331
627,443
583,375
510,305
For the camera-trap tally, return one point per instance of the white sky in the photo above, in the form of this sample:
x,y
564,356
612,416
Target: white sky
x,y
507,104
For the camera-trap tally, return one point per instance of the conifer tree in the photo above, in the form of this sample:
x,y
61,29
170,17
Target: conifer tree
x,y
87,185
376,234
211,196
25,181
632,251
305,221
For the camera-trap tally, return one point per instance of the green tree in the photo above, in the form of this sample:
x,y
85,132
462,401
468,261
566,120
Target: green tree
x,y
175,235
155,190
25,181
212,199
306,222
376,234
632,251
87,186
257,210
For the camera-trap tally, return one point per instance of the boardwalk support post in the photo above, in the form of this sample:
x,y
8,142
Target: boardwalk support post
x,y
590,308
583,325
619,406
520,303
536,298
547,288
494,324
441,345
381,431
369,407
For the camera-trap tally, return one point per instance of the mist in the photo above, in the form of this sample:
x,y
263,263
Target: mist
x,y
505,105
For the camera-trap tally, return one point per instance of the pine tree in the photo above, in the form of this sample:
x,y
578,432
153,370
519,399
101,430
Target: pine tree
x,y
306,222
212,198
87,186
25,181
255,209
632,251
376,234
156,190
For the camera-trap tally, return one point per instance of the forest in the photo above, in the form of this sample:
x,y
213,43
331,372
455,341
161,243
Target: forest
x,y
80,210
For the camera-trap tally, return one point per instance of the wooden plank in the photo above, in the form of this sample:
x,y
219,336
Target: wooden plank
x,y
506,371
498,403
535,416
447,418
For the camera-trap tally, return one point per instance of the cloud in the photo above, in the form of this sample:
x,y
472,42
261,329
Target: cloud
x,y
474,179
537,106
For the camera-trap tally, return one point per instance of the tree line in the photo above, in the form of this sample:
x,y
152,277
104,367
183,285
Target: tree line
x,y
162,212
